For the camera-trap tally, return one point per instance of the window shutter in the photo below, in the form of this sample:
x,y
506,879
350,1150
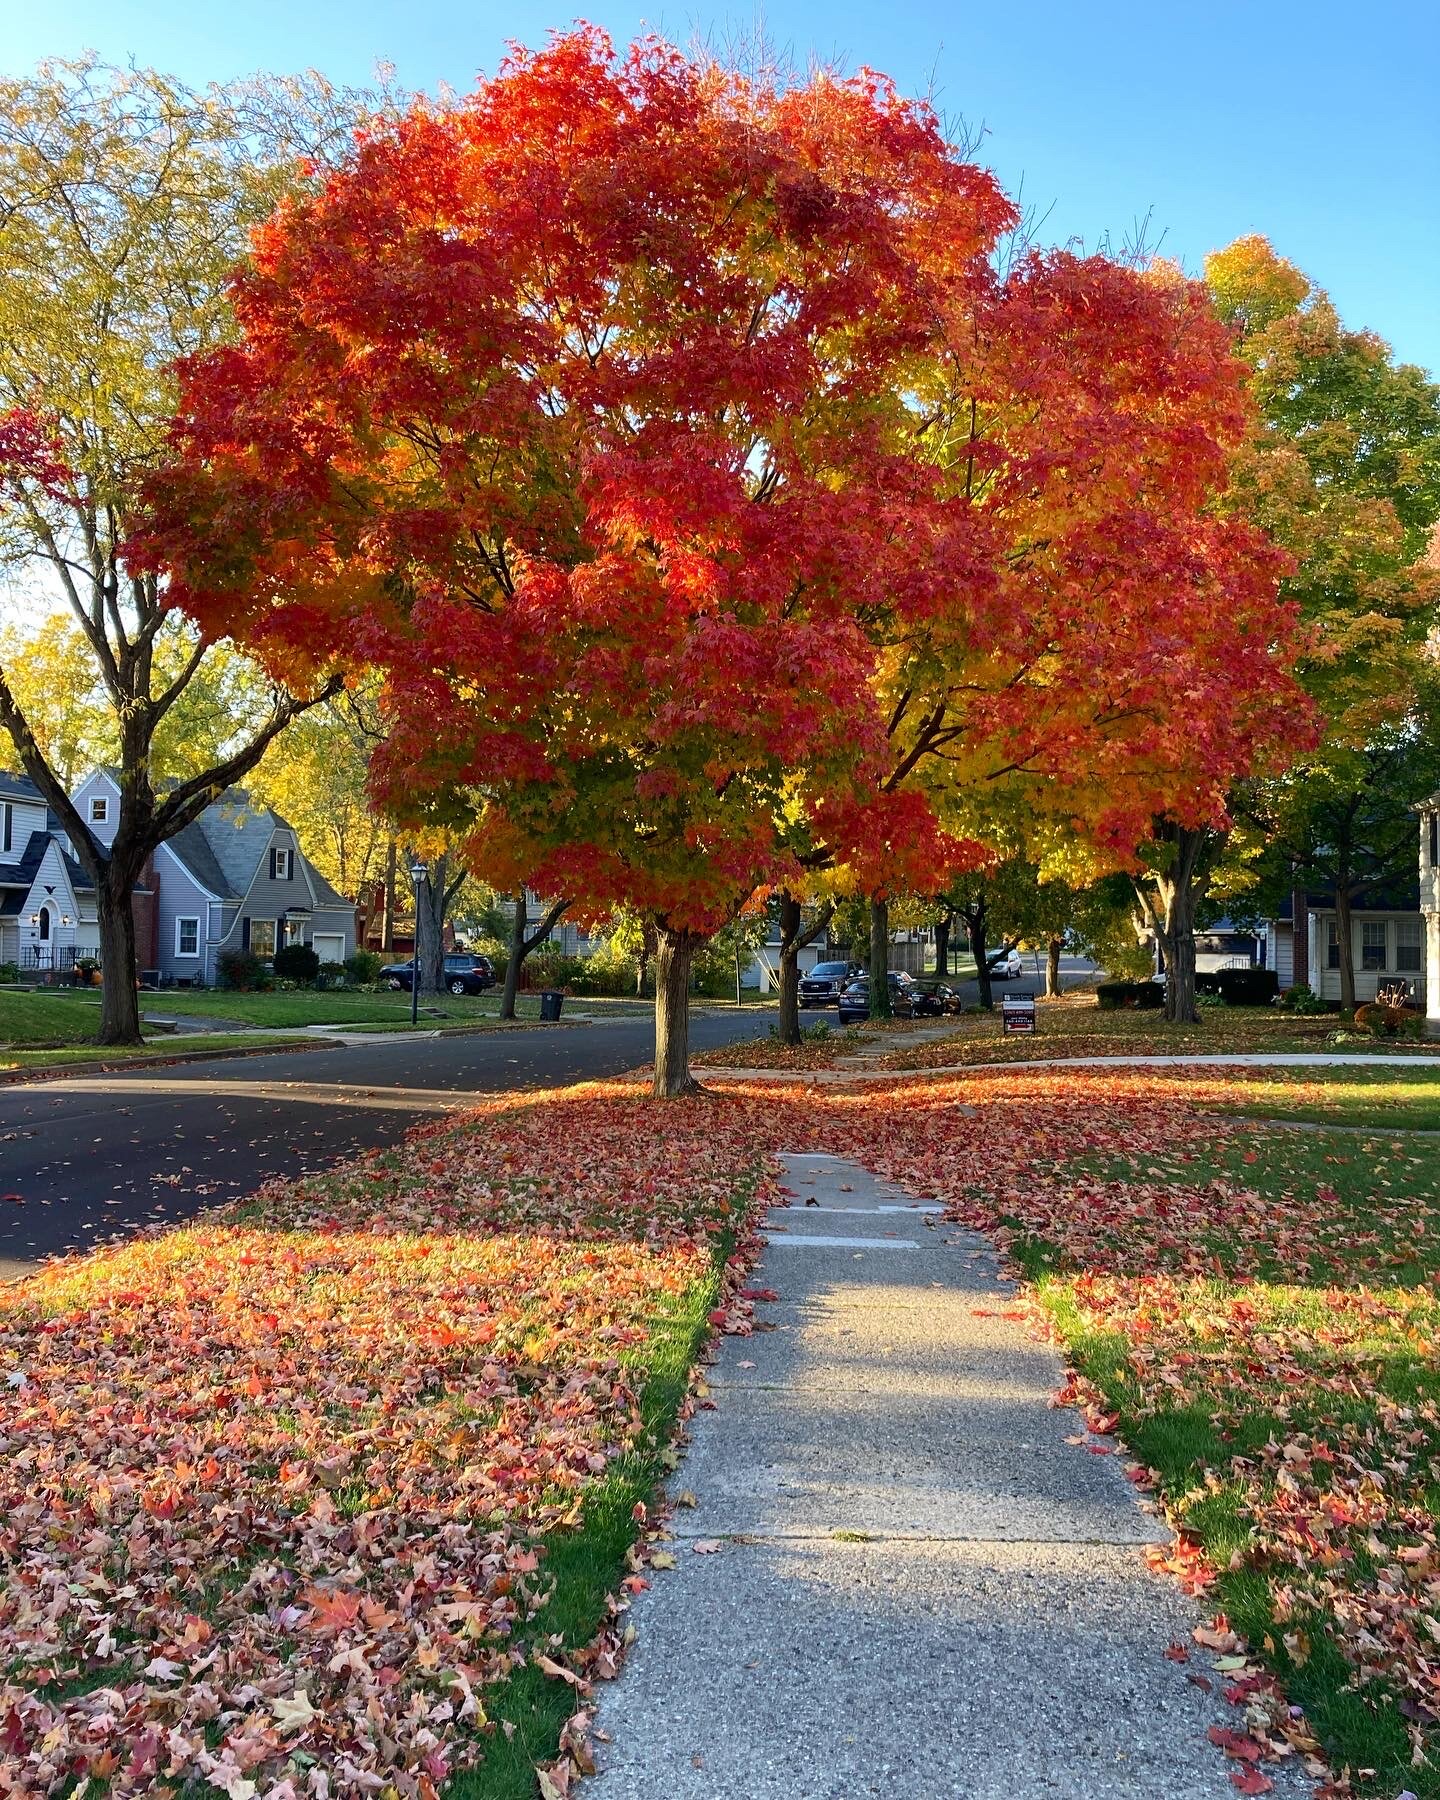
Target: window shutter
x,y
245,934
272,862
9,812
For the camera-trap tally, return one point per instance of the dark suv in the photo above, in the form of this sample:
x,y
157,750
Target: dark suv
x,y
821,987
464,974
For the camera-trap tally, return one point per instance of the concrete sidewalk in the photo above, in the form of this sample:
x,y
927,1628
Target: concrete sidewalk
x,y
898,1578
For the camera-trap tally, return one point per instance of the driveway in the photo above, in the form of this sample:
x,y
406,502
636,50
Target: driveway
x,y
90,1158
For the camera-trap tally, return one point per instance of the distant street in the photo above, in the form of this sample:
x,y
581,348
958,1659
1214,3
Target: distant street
x,y
91,1157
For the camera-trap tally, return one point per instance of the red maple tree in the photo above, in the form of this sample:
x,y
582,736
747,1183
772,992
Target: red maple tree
x,y
674,447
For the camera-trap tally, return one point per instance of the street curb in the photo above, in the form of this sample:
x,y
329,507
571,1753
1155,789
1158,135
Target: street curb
x,y
64,1071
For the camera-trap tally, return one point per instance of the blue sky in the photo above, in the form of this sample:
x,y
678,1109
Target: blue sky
x,y
1315,123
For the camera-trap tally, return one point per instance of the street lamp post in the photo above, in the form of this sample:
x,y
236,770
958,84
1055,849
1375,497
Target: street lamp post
x,y
418,873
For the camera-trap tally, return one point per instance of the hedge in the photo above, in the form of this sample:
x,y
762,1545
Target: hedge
x,y
1142,995
1240,987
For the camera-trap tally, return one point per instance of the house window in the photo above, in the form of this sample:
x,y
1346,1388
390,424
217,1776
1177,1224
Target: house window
x,y
262,938
1409,946
280,861
187,937
294,931
1332,946
99,809
44,925
1372,945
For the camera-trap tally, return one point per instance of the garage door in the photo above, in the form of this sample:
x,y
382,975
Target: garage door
x,y
330,948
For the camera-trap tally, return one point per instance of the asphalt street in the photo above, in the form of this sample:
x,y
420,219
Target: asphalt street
x,y
92,1157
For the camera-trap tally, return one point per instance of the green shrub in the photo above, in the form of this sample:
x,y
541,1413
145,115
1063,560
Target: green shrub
x,y
9,972
331,975
1301,999
1141,996
296,962
241,971
363,967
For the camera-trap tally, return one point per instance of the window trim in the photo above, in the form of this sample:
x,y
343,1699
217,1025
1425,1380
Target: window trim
x,y
279,853
264,955
102,817
187,919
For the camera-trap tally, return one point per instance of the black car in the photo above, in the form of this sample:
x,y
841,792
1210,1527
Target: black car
x,y
855,997
929,1001
821,987
464,974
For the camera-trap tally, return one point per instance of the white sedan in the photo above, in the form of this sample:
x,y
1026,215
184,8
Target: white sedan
x,y
1006,967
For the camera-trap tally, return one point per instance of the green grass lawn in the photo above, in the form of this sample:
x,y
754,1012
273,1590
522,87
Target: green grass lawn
x,y
1406,1098
71,1015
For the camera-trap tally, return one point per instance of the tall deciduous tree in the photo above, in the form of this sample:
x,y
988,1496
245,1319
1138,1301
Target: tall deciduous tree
x,y
1342,468
124,200
675,447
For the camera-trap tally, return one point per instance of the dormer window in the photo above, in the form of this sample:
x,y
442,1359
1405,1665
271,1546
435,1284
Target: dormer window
x,y
280,863
99,809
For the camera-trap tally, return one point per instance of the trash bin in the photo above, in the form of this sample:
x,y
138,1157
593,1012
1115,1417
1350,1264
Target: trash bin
x,y
551,1001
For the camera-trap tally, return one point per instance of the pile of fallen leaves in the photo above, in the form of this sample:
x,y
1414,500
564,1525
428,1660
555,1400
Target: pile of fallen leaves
x,y
274,1488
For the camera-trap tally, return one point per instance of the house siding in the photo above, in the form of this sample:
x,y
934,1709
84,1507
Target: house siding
x,y
181,896
99,784
1367,981
51,888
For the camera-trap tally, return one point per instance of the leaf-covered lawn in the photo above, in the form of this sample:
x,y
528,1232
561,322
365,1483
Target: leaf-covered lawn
x,y
1075,1026
331,1489
277,1490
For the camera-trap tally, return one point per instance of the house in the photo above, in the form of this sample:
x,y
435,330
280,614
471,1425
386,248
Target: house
x,y
1387,936
48,915
236,878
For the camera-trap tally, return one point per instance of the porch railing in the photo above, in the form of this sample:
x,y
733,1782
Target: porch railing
x,y
49,959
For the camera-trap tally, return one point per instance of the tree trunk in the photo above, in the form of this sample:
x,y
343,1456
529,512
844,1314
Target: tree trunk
x,y
517,958
119,1002
430,929
975,919
1345,932
674,951
1171,910
880,959
1052,968
942,948
789,968
387,923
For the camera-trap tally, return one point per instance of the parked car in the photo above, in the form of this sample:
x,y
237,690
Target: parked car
x,y
821,987
464,974
1007,968
854,999
927,1000
952,1001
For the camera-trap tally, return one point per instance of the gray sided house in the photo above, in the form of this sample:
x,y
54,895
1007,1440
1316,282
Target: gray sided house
x,y
47,905
235,879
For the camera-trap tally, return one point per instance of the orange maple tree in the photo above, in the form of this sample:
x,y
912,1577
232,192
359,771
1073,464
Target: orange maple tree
x,y
675,447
